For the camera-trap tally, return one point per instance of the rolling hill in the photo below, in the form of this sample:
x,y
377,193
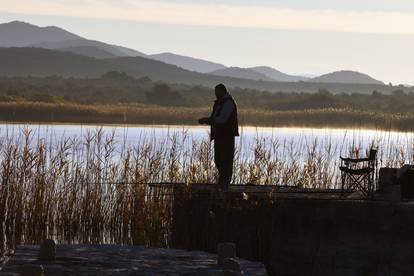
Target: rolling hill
x,y
114,50
88,51
20,34
45,62
276,75
241,73
346,77
189,63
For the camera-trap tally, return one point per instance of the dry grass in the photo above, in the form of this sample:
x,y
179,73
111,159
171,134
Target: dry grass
x,y
144,114
95,189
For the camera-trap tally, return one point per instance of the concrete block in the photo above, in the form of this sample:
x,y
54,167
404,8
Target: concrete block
x,y
387,178
231,264
390,193
33,270
407,184
47,250
225,250
403,170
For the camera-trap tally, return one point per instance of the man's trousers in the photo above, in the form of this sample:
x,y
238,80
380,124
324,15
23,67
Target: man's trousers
x,y
223,158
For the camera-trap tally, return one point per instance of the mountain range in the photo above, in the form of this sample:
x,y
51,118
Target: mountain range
x,y
114,57
189,63
114,50
258,73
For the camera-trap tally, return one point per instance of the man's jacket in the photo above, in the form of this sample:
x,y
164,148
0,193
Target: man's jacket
x,y
223,120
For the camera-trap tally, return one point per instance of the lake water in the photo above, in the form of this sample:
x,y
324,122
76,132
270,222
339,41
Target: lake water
x,y
334,142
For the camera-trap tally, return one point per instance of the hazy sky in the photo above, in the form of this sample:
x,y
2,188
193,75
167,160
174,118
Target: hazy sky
x,y
295,36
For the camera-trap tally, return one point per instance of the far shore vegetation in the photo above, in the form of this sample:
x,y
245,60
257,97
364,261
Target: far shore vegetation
x,y
117,98
35,112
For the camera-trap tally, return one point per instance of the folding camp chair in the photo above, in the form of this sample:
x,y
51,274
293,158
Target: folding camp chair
x,y
358,174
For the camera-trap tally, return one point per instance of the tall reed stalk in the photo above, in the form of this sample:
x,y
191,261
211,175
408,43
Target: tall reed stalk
x,y
96,189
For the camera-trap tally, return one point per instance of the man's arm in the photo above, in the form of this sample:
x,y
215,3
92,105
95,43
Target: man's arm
x,y
225,113
205,121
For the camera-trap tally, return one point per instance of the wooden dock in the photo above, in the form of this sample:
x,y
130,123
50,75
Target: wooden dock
x,y
298,231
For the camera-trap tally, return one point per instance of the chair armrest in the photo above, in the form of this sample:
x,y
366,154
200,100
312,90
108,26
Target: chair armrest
x,y
355,160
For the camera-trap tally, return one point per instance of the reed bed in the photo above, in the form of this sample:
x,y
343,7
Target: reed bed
x,y
97,189
151,114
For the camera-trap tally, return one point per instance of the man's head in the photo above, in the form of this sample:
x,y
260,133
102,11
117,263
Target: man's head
x,y
220,90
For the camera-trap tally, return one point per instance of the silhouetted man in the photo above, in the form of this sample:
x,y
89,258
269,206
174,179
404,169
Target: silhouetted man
x,y
224,127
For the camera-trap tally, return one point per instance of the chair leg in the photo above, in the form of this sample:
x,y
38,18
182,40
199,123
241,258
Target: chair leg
x,y
343,180
361,183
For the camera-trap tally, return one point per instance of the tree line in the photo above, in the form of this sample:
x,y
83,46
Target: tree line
x,y
119,88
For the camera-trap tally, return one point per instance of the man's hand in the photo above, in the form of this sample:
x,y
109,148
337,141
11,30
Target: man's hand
x,y
204,121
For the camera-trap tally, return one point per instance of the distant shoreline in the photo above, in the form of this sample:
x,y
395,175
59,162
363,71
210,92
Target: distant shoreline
x,y
189,126
153,116
184,126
